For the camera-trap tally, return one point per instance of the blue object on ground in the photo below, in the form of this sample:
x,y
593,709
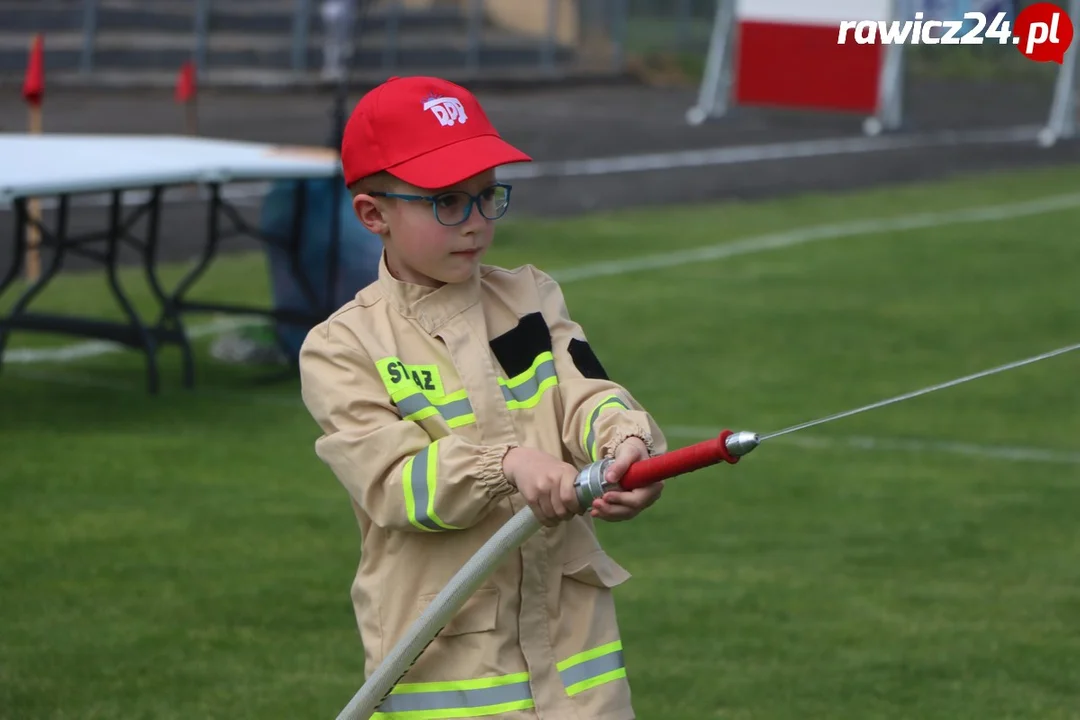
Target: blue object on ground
x,y
358,255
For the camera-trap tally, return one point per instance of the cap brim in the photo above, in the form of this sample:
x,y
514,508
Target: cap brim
x,y
454,163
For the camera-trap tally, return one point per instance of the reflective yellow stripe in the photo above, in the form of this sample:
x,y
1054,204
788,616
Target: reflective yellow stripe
x,y
588,655
419,480
525,390
455,408
416,403
464,699
415,407
410,501
449,713
588,439
484,697
592,668
592,682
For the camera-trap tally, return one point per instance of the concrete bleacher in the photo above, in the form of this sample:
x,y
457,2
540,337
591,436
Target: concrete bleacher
x,y
252,41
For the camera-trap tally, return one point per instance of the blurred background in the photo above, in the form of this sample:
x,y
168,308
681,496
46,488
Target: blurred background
x,y
171,547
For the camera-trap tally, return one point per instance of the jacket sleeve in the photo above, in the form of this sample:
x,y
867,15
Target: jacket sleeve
x,y
391,467
598,414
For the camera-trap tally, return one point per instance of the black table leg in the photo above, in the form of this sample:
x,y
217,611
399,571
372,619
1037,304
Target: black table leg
x,y
18,310
170,324
133,332
19,250
144,335
213,237
18,256
237,226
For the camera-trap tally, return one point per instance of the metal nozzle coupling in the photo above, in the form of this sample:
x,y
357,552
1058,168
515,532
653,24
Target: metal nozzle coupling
x,y
590,483
741,443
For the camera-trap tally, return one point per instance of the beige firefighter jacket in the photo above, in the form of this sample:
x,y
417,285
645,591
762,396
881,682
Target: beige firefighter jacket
x,y
419,393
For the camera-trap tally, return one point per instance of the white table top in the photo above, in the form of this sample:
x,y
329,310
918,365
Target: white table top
x,y
59,164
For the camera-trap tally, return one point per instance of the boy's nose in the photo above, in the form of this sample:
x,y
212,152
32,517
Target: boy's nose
x,y
475,222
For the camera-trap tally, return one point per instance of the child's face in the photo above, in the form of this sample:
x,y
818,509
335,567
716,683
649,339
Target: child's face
x,y
420,249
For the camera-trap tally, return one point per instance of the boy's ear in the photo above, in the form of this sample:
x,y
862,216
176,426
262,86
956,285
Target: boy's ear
x,y
370,214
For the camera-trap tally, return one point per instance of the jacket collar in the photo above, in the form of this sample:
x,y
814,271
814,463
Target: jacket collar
x,y
431,307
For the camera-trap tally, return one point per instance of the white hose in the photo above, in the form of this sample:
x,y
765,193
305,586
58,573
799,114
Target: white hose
x,y
441,610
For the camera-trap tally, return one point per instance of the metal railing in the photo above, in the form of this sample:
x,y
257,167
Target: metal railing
x,y
622,26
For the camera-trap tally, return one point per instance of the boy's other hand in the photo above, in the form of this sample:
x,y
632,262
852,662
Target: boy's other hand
x,y
545,482
619,505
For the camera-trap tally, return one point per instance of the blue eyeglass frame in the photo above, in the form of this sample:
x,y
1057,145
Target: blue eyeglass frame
x,y
474,200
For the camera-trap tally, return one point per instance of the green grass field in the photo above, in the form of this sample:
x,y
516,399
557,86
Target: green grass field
x,y
188,556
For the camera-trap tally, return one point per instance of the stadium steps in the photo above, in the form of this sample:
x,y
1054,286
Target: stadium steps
x,y
145,41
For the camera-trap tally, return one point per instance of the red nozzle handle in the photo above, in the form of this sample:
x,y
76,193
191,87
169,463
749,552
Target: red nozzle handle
x,y
677,462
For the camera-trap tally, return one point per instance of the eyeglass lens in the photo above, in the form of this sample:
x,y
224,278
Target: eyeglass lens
x,y
452,207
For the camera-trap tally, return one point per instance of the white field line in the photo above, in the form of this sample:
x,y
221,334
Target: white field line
x,y
801,236
741,154
95,348
885,444
745,246
86,380
251,193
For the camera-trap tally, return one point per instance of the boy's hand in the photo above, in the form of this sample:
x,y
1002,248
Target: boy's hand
x,y
545,482
619,505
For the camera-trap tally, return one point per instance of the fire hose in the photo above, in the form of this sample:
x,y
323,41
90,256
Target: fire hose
x,y
727,447
589,485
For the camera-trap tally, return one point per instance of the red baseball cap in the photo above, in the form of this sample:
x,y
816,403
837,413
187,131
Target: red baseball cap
x,y
426,131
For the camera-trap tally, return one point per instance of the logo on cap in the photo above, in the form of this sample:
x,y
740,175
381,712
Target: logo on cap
x,y
447,109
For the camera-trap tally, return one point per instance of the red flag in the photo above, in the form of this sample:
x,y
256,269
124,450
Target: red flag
x,y
185,83
34,83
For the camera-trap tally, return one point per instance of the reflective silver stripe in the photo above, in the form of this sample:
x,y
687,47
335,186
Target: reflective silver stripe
x,y
455,409
591,437
592,668
412,404
419,484
527,389
418,401
456,699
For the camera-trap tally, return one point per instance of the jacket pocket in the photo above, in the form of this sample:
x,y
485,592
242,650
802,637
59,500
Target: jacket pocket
x,y
597,569
479,613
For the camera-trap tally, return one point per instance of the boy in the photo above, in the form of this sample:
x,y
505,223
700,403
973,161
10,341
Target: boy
x,y
452,394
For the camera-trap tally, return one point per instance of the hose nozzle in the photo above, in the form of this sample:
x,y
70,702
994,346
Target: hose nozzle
x,y
742,442
727,447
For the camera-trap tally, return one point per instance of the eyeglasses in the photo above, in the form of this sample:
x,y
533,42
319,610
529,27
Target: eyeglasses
x,y
455,206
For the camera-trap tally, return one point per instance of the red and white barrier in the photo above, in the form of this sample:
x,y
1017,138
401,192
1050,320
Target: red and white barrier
x,y
788,55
